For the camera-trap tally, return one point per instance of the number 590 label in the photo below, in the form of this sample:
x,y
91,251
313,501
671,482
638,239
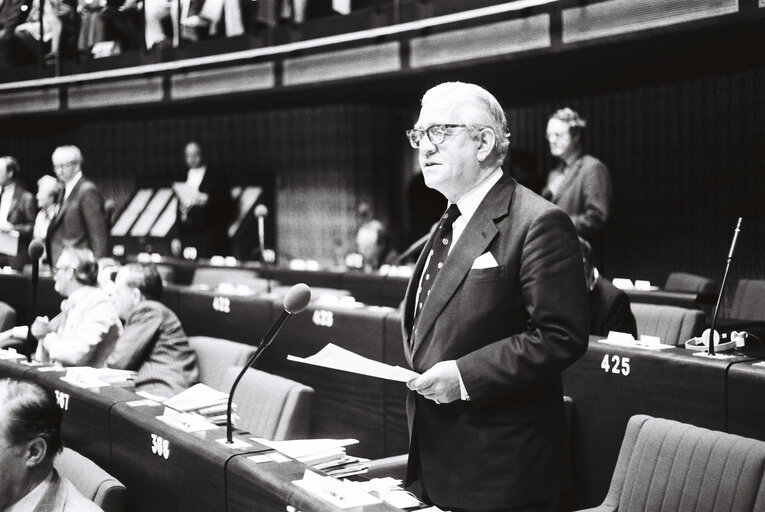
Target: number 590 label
x,y
616,364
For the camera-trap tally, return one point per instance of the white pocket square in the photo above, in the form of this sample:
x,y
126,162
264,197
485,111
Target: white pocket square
x,y
485,260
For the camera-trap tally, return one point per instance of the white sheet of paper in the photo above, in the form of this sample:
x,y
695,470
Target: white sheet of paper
x,y
339,358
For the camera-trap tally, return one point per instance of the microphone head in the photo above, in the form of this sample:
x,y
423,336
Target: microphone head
x,y
261,210
297,298
36,249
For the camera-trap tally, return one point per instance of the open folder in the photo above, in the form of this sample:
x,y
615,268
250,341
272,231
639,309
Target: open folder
x,y
339,358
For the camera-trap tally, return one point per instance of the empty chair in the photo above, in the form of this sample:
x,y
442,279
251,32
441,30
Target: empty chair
x,y
7,317
270,406
93,482
671,466
672,324
215,356
749,300
685,282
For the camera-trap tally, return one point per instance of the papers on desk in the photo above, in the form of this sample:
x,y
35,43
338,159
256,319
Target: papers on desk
x,y
11,354
623,339
87,377
203,400
9,242
327,455
335,491
339,358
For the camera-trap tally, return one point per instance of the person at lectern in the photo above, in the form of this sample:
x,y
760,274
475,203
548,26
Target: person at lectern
x,y
495,310
80,221
609,306
30,439
85,331
580,184
17,210
204,206
153,342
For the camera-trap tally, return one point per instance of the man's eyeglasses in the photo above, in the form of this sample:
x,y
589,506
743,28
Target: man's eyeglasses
x,y
65,165
436,134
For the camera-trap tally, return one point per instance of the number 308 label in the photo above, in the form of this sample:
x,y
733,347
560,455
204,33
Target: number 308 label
x,y
160,446
616,364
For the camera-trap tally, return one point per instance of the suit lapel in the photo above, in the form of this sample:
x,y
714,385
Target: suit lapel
x,y
477,236
65,205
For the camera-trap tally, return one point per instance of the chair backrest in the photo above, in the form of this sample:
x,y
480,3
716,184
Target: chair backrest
x,y
215,356
671,466
93,482
749,300
672,324
7,316
685,282
270,406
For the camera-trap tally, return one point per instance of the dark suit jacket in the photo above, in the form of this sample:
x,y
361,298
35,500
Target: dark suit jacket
x,y
512,329
585,195
610,310
22,215
206,226
154,345
80,222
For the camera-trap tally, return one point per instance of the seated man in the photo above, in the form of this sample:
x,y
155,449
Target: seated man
x,y
609,306
85,331
30,436
373,243
153,342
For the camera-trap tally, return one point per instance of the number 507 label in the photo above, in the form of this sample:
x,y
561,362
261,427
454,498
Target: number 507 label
x,y
616,364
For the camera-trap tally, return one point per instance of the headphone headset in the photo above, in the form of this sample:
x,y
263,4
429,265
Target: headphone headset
x,y
702,342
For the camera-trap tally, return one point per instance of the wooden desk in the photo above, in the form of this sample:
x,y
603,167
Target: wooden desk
x,y
609,384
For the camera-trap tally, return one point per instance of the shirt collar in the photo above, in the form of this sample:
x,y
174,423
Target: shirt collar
x,y
77,296
69,185
469,203
8,189
32,499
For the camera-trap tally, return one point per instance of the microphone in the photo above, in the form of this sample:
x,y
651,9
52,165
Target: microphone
x,y
710,336
295,301
261,212
36,250
415,247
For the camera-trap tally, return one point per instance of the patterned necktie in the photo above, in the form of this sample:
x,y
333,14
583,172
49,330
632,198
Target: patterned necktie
x,y
438,253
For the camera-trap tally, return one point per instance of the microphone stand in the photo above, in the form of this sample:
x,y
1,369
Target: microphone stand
x,y
711,350
31,313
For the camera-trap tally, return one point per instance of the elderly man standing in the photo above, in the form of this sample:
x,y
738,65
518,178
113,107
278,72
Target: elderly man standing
x,y
80,221
495,310
85,331
17,210
153,342
30,438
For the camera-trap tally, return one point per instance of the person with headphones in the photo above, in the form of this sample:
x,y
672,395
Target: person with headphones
x,y
86,330
17,210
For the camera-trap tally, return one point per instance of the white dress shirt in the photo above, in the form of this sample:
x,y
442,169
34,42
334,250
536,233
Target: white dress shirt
x,y
5,201
195,177
69,185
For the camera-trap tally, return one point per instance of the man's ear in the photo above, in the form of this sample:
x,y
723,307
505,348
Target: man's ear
x,y
486,142
137,297
36,451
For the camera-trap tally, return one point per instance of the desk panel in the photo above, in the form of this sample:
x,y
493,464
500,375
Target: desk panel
x,y
344,404
86,425
375,289
746,407
396,429
165,469
610,384
318,278
234,317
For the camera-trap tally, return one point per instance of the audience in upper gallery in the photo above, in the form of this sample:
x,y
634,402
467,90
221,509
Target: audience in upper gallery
x,y
211,14
85,331
580,184
609,306
153,342
27,34
12,14
30,436
204,206
81,219
17,210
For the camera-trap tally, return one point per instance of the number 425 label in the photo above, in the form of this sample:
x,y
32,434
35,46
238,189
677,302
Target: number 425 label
x,y
616,364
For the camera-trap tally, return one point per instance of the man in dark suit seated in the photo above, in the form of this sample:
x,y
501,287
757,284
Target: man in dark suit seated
x,y
153,342
17,210
609,306
495,310
30,439
81,220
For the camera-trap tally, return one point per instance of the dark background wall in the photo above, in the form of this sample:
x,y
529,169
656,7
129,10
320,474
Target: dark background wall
x,y
678,119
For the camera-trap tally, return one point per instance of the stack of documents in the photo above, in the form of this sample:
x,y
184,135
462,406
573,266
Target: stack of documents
x,y
327,455
87,377
203,400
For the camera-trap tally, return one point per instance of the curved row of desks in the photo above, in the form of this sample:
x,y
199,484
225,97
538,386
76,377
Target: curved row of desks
x,y
608,384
